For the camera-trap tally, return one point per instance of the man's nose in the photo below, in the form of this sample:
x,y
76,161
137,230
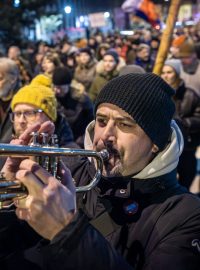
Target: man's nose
x,y
22,118
109,133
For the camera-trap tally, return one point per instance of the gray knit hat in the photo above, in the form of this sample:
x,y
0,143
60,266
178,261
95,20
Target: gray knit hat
x,y
175,64
131,69
147,98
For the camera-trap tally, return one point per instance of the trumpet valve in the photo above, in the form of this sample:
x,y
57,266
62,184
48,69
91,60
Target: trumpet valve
x,y
35,136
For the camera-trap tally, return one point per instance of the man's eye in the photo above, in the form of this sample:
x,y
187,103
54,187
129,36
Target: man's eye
x,y
101,121
17,114
29,113
122,124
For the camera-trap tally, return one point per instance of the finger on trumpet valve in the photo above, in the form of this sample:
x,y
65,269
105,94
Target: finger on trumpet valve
x,y
45,139
35,137
54,140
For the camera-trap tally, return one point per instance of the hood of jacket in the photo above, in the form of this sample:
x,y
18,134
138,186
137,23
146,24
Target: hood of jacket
x,y
109,75
89,65
164,162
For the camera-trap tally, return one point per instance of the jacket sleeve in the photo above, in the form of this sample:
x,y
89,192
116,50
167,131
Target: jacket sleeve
x,y
189,115
63,130
180,246
15,235
93,91
80,246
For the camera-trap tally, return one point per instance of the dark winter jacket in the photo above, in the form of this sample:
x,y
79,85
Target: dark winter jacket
x,y
146,65
148,220
5,123
5,110
78,112
187,114
63,131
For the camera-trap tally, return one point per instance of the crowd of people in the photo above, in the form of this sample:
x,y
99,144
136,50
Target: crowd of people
x,y
100,94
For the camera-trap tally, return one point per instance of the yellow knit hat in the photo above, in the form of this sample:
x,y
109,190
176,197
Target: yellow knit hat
x,y
39,96
42,79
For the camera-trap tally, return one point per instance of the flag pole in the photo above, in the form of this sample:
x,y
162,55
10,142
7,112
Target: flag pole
x,y
167,36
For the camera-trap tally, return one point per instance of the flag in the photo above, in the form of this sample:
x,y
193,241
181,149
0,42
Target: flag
x,y
130,5
144,9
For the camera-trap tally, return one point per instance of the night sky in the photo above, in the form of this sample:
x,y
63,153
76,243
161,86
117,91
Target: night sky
x,y
101,5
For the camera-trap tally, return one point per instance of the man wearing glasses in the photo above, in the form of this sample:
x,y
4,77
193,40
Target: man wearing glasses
x,y
25,114
36,103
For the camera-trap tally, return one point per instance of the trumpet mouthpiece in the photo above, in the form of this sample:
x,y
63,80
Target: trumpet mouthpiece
x,y
104,154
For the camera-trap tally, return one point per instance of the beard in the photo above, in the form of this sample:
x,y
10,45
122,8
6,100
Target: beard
x,y
112,171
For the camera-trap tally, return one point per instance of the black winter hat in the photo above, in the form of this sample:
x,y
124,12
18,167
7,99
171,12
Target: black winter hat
x,y
147,98
61,76
86,50
114,54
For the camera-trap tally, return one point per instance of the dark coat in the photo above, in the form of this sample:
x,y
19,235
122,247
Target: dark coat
x,y
63,131
78,113
6,125
164,231
146,65
5,110
187,114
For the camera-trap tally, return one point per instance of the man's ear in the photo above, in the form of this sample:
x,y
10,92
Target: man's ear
x,y
155,149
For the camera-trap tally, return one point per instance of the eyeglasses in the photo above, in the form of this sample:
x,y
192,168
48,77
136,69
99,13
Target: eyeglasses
x,y
29,115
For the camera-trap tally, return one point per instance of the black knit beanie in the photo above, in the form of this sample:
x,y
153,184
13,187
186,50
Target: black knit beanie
x,y
147,98
114,54
86,50
61,76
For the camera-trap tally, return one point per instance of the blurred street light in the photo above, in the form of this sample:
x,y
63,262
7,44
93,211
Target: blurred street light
x,y
81,19
106,14
68,9
16,3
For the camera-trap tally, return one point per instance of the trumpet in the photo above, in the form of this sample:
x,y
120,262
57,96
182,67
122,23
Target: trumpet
x,y
49,155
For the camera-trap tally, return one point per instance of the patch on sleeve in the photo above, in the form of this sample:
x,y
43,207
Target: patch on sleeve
x,y
196,244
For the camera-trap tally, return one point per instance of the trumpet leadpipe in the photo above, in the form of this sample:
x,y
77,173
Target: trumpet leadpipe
x,y
8,189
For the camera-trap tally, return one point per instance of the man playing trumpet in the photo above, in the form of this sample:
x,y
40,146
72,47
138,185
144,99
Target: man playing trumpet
x,y
138,216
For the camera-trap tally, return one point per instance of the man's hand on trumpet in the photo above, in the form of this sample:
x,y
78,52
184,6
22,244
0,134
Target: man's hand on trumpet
x,y
50,205
12,164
